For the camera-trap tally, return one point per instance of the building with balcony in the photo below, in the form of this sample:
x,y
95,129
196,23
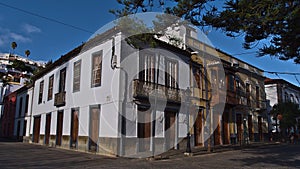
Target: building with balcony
x,y
110,97
240,89
280,91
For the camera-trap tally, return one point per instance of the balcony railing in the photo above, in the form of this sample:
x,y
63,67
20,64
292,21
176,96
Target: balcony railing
x,y
60,99
143,89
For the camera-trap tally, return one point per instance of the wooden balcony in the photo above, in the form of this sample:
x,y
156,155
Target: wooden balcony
x,y
60,99
144,90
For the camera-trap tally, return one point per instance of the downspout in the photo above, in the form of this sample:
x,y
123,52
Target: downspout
x,y
31,115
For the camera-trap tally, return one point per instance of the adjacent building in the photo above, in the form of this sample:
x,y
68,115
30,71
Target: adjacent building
x,y
23,113
8,116
280,91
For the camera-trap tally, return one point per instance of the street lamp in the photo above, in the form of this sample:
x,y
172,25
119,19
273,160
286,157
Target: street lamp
x,y
188,151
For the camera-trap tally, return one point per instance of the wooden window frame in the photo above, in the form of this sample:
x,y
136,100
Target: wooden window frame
x,y
76,76
40,98
96,70
50,87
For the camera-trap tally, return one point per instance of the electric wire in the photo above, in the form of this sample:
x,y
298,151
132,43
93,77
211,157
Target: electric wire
x,y
46,18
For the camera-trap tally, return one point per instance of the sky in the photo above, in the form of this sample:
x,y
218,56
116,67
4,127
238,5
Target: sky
x,y
48,40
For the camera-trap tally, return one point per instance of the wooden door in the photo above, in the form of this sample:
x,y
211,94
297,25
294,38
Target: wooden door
x,y
74,129
170,129
226,135
36,129
24,127
260,134
144,129
239,127
59,129
18,130
94,128
198,129
217,134
47,128
250,127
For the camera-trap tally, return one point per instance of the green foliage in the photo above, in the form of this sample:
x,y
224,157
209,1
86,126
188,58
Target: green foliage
x,y
21,66
274,24
14,45
27,53
289,112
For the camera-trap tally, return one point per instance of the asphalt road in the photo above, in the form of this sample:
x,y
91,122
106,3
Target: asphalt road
x,y
23,155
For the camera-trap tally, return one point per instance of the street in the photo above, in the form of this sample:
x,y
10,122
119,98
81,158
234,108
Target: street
x,y
23,155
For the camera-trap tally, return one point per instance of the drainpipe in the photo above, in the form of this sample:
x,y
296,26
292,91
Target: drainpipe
x,y
31,115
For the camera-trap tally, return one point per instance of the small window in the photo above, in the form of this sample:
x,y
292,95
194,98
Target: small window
x,y
248,94
231,82
62,80
41,92
257,96
76,76
96,69
20,106
26,105
50,87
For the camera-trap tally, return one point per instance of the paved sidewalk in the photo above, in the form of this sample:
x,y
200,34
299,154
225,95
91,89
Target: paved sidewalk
x,y
173,154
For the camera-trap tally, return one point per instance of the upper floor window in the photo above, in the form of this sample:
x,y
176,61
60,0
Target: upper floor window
x,y
171,73
50,87
26,104
41,92
286,97
20,106
248,94
147,67
62,80
96,69
257,96
292,98
214,80
238,85
230,82
197,77
76,76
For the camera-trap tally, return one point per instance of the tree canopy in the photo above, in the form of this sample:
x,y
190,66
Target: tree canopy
x,y
20,65
274,24
289,112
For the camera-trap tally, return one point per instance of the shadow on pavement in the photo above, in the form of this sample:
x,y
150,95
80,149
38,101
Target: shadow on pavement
x,y
285,156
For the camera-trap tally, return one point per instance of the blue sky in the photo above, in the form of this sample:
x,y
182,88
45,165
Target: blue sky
x,y
49,40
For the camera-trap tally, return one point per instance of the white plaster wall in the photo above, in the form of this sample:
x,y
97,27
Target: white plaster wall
x,y
104,95
23,112
271,94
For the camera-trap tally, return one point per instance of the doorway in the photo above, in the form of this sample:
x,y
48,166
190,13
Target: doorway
x,y
94,128
60,116
36,129
47,128
144,129
170,129
74,128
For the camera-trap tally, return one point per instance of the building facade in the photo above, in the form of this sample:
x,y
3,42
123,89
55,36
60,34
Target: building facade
x,y
8,116
110,97
23,113
280,91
